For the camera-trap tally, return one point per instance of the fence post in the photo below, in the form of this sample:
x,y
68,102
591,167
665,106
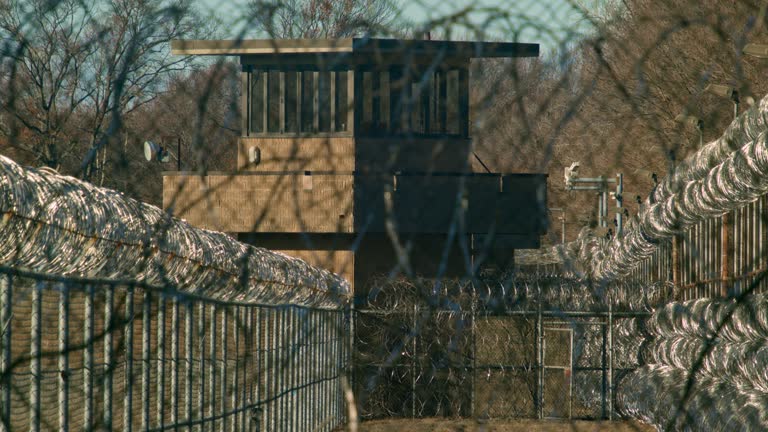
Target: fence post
x,y
175,361
212,368
88,360
413,362
473,333
540,351
108,365
64,357
726,253
128,402
610,359
188,342
201,347
676,270
161,361
223,379
6,297
34,365
145,359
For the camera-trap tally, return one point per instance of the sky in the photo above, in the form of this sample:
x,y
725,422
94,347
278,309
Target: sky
x,y
548,22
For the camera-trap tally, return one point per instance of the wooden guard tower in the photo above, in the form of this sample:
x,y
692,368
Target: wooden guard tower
x,y
351,146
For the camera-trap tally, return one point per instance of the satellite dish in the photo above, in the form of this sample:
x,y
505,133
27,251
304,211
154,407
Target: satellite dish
x,y
151,150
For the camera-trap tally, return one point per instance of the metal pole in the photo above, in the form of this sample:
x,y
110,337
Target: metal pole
x,y
610,359
201,347
161,362
540,352
145,362
619,203
212,368
188,339
562,240
64,358
413,363
605,205
108,365
34,364
178,153
236,377
726,253
223,379
474,360
87,360
128,402
5,362
175,361
599,209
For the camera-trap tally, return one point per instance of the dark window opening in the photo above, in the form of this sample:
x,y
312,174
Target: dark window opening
x,y
257,102
452,103
409,101
273,101
341,104
294,101
324,101
307,101
291,101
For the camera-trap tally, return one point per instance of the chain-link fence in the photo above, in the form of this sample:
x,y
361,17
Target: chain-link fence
x,y
85,354
476,359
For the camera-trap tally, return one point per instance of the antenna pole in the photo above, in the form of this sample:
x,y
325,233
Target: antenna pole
x,y
178,153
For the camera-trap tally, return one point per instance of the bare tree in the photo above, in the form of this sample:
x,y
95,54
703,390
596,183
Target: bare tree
x,y
76,67
291,19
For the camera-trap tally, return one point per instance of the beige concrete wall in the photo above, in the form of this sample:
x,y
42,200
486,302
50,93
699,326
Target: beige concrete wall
x,y
341,262
298,154
263,203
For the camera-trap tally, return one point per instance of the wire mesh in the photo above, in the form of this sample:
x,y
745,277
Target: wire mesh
x,y
93,354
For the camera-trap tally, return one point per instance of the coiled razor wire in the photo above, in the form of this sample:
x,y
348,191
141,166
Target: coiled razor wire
x,y
719,344
515,292
724,175
59,224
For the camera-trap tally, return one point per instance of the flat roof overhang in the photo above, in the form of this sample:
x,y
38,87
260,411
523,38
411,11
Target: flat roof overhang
x,y
354,46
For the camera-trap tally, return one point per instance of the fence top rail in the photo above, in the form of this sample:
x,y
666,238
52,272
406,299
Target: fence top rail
x,y
169,290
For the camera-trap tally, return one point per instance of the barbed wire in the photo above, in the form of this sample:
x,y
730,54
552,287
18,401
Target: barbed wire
x,y
62,225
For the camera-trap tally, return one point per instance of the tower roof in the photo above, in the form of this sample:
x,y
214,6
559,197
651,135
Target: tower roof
x,y
363,47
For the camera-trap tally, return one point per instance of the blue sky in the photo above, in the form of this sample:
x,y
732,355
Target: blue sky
x,y
548,22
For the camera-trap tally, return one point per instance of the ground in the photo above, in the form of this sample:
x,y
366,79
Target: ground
x,y
447,425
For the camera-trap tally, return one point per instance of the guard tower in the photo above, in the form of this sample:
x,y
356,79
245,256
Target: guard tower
x,y
353,150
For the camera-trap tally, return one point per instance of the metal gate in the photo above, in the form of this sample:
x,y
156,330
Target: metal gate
x,y
557,376
501,364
